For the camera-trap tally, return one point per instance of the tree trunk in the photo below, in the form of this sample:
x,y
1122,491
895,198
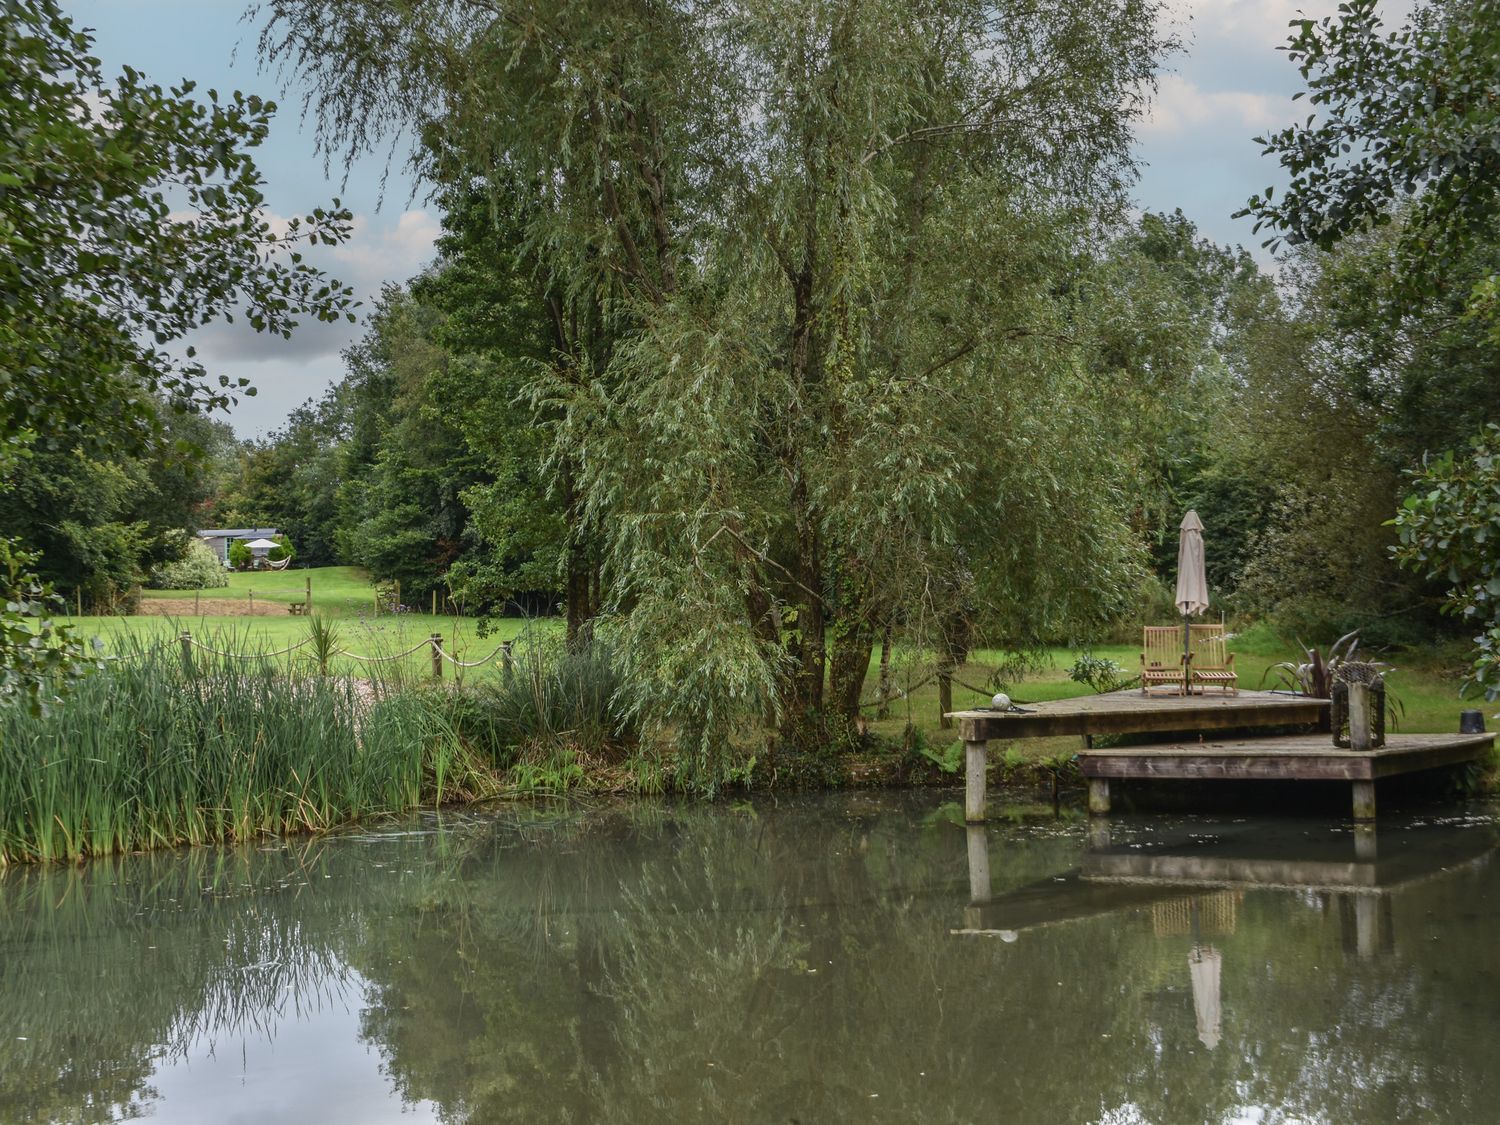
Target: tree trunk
x,y
884,711
848,669
945,692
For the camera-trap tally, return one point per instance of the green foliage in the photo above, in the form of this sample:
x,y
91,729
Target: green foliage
x,y
325,641
1401,114
100,269
149,754
776,318
553,702
283,551
1450,530
950,759
197,569
40,660
1099,672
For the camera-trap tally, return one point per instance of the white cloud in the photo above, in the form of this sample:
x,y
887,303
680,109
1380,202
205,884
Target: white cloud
x,y
1181,105
390,255
1254,24
375,253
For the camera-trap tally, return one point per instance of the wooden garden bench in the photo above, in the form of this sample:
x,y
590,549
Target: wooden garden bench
x,y
296,608
1162,661
1212,663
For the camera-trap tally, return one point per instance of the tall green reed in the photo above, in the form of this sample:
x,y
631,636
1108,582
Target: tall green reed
x,y
158,751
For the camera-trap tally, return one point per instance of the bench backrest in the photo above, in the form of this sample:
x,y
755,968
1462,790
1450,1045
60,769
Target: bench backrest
x,y
1209,647
1161,646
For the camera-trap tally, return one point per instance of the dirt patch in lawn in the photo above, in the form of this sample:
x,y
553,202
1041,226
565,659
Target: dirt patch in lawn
x,y
211,607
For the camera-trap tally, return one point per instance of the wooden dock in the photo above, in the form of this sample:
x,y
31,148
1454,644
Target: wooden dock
x,y
1295,757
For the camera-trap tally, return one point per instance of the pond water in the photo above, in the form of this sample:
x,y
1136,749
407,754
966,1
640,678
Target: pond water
x,y
839,958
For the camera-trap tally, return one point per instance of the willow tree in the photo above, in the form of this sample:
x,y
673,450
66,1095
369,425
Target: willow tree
x,y
822,250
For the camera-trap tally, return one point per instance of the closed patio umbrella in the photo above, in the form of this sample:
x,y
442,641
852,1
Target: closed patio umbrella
x,y
1192,579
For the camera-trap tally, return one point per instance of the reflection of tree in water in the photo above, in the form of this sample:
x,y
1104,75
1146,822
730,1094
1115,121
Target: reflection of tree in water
x,y
755,964
102,976
784,966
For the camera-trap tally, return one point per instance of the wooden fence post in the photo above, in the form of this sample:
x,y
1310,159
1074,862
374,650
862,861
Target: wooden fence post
x,y
307,602
186,640
506,666
250,598
437,655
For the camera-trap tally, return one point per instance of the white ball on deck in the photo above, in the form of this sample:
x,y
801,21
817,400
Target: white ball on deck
x,y
1000,702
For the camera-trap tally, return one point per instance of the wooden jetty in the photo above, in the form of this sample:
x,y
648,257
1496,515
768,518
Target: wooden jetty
x,y
1298,757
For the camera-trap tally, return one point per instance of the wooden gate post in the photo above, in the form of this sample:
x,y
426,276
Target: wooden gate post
x,y
975,755
437,655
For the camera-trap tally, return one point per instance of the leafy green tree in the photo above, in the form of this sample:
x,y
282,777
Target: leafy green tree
x,y
101,270
38,656
797,242
1400,115
130,216
238,554
1450,530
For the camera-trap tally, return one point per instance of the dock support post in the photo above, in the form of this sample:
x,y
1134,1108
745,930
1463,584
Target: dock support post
x,y
979,865
1099,835
1366,847
975,754
1364,800
1098,796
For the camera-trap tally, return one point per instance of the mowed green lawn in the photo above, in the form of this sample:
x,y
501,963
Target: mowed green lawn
x,y
336,590
1426,683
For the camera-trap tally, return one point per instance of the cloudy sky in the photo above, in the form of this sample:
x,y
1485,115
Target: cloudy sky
x,y
1228,86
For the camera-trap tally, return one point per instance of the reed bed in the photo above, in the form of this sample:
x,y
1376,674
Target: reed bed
x,y
159,752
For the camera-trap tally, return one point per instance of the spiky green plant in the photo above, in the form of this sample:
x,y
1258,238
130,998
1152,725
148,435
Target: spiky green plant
x,y
153,752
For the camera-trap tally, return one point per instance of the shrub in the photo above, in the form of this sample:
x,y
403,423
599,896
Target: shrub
x,y
239,554
282,552
552,701
198,568
1098,672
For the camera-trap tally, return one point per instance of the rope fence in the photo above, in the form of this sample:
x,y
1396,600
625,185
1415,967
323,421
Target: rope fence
x,y
504,651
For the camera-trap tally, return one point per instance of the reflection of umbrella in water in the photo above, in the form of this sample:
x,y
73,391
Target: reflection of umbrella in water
x,y
1203,966
1192,579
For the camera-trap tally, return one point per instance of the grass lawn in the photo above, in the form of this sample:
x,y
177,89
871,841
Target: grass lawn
x,y
1425,682
336,590
369,636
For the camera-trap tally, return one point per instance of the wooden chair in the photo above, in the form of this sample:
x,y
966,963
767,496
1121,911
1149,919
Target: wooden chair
x,y
1163,663
1212,663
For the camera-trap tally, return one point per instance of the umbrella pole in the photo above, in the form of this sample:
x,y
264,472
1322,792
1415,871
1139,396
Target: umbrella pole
x,y
1187,654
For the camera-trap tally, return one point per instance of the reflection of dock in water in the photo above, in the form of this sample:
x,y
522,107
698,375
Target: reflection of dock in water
x,y
1193,882
1137,873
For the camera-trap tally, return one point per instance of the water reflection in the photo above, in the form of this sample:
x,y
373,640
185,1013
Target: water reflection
x,y
820,959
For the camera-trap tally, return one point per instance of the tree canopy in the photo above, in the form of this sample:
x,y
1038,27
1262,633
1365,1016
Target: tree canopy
x,y
130,215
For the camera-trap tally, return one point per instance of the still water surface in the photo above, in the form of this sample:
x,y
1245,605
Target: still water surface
x,y
841,958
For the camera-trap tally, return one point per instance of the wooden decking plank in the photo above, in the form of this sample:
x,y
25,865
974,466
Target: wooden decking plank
x,y
1293,757
1131,712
